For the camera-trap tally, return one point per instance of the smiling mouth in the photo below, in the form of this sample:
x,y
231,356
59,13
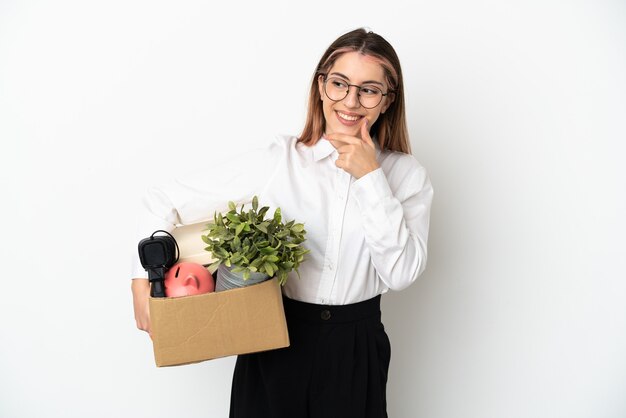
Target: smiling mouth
x,y
349,118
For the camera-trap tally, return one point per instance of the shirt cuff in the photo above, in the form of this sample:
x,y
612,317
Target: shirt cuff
x,y
138,272
371,189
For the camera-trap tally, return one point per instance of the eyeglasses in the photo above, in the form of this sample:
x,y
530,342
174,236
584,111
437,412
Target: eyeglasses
x,y
337,89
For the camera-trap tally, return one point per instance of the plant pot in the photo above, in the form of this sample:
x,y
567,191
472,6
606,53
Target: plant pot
x,y
227,279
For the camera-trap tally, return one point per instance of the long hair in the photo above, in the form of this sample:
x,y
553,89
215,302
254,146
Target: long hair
x,y
390,128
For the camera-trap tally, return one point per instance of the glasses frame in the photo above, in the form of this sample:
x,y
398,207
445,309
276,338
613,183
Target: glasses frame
x,y
326,78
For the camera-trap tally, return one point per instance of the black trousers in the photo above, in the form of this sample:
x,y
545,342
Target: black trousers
x,y
335,367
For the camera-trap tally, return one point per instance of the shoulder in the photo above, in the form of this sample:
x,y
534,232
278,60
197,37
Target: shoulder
x,y
289,147
285,141
271,149
277,143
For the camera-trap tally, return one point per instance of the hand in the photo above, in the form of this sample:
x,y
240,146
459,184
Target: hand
x,y
357,156
141,296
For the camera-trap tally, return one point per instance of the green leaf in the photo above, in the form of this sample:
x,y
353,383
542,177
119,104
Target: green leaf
x,y
267,250
277,215
282,278
233,218
267,246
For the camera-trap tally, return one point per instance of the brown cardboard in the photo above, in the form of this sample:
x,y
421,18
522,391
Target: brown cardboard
x,y
196,328
203,327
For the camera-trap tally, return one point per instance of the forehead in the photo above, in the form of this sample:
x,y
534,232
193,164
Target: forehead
x,y
358,67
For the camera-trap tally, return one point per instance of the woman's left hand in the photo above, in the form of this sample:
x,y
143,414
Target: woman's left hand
x,y
357,156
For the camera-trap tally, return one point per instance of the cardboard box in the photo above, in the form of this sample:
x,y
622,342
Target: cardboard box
x,y
191,329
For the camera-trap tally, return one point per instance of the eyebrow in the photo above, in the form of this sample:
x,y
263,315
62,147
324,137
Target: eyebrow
x,y
365,82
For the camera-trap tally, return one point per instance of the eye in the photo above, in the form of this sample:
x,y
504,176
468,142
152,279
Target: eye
x,y
370,91
338,84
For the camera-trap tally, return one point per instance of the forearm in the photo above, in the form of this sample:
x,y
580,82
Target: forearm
x,y
141,296
396,226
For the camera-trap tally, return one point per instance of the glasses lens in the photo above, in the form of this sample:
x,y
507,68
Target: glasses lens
x,y
370,96
337,89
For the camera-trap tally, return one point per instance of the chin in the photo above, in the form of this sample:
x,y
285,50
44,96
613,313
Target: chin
x,y
346,130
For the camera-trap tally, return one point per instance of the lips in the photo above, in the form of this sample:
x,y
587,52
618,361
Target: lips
x,y
348,119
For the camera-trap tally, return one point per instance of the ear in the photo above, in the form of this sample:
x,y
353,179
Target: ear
x,y
388,101
320,86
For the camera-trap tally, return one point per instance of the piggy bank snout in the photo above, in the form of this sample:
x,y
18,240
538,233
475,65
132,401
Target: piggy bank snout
x,y
192,281
186,279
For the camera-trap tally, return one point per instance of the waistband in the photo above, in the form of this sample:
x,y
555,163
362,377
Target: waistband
x,y
332,313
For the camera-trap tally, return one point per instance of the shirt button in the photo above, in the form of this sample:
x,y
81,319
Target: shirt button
x,y
325,315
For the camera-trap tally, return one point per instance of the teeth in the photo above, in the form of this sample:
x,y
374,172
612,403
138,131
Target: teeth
x,y
347,117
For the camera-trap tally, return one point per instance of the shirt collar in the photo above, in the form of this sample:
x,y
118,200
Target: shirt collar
x,y
323,148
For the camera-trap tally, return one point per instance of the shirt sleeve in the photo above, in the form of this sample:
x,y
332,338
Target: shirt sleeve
x,y
396,226
195,196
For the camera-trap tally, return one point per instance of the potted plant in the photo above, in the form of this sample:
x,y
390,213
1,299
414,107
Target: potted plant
x,y
249,248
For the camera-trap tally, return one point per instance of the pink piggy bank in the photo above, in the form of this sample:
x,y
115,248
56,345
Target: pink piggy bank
x,y
186,279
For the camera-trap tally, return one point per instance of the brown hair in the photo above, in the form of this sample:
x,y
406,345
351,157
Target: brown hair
x,y
390,128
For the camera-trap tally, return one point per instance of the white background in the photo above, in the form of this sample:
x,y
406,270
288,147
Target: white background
x,y
516,109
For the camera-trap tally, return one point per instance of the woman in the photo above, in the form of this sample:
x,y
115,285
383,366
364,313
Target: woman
x,y
365,202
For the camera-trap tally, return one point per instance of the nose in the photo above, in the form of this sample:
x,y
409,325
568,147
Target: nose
x,y
352,98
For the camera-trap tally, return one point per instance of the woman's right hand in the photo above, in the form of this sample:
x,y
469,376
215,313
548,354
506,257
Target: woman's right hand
x,y
141,295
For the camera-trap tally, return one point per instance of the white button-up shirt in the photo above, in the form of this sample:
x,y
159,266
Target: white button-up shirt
x,y
365,235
